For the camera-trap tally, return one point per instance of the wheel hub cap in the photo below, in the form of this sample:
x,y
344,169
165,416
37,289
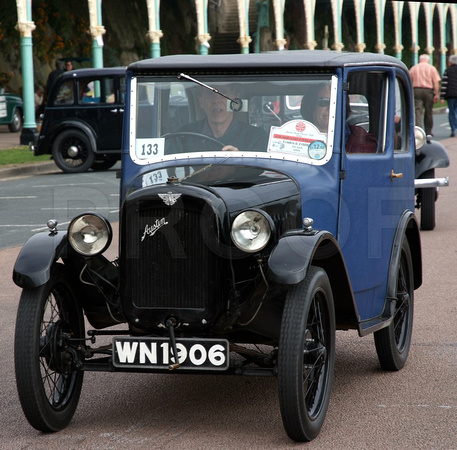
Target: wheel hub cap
x,y
73,151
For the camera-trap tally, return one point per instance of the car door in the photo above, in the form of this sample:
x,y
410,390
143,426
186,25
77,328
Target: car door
x,y
101,105
373,192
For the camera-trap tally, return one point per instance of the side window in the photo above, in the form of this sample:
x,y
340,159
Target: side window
x,y
365,111
400,134
65,94
100,90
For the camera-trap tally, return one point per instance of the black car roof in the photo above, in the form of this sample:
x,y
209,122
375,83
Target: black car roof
x,y
94,72
293,60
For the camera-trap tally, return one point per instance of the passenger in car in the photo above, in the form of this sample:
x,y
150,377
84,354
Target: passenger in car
x,y
316,110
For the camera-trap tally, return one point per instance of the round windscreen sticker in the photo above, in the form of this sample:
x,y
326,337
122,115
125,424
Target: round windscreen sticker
x,y
297,137
317,150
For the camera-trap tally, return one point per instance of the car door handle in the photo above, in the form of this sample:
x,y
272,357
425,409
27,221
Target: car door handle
x,y
113,110
395,175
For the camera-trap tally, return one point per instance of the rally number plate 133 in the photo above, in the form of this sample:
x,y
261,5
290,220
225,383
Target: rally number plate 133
x,y
157,353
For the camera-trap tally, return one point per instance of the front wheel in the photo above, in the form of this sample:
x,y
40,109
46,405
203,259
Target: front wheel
x,y
48,383
306,356
16,124
393,342
72,152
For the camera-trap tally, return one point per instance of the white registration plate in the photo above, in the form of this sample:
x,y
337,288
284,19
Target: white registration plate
x,y
155,353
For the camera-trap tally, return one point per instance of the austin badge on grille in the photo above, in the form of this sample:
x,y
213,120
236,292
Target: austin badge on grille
x,y
169,198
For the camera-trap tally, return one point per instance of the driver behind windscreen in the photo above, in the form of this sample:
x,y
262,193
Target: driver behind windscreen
x,y
222,124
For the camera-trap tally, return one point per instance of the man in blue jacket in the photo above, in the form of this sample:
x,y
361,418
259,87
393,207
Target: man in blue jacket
x,y
449,92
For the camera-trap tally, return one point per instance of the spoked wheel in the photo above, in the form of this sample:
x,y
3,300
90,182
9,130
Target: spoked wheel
x,y
428,198
16,124
48,383
72,152
393,342
306,356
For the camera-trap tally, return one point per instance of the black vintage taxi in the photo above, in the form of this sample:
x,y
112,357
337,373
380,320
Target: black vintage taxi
x,y
82,121
266,201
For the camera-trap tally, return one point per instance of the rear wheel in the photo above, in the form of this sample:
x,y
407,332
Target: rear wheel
x,y
428,198
48,383
306,356
72,152
393,342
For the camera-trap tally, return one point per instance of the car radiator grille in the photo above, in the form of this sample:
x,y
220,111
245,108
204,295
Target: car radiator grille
x,y
173,267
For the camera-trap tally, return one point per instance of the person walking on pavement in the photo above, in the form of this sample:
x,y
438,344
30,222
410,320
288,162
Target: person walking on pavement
x,y
52,77
426,84
449,92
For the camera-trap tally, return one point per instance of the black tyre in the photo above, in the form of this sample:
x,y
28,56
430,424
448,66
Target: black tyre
x,y
104,164
16,124
72,152
428,198
48,384
306,356
392,343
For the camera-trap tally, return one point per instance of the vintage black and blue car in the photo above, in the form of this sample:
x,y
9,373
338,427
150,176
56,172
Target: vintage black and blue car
x,y
266,201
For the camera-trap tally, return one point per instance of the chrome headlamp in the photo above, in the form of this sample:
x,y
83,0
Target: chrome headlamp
x,y
251,230
89,234
420,137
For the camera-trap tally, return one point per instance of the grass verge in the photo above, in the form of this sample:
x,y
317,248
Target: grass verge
x,y
20,155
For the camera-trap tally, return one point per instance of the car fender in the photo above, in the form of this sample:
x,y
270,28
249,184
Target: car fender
x,y
45,146
408,228
34,262
290,259
432,155
297,250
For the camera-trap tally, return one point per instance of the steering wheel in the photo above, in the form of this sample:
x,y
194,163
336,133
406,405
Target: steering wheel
x,y
192,134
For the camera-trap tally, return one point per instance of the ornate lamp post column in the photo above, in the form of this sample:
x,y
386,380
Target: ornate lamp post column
x,y
359,8
154,33
337,7
414,14
310,7
379,12
25,26
442,21
278,7
243,16
202,22
428,9
453,11
397,8
97,30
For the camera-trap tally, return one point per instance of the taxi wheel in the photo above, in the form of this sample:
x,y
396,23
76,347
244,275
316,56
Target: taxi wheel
x,y
428,198
393,342
16,124
48,384
306,355
72,152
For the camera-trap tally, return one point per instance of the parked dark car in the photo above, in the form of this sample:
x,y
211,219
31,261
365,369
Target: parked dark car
x,y
82,123
258,215
11,111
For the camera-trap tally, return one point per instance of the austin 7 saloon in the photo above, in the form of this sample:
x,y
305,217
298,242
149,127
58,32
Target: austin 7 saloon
x,y
266,201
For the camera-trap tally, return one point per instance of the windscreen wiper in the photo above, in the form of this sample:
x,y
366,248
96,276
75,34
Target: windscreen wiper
x,y
236,104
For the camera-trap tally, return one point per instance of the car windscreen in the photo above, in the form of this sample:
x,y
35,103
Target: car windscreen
x,y
285,117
